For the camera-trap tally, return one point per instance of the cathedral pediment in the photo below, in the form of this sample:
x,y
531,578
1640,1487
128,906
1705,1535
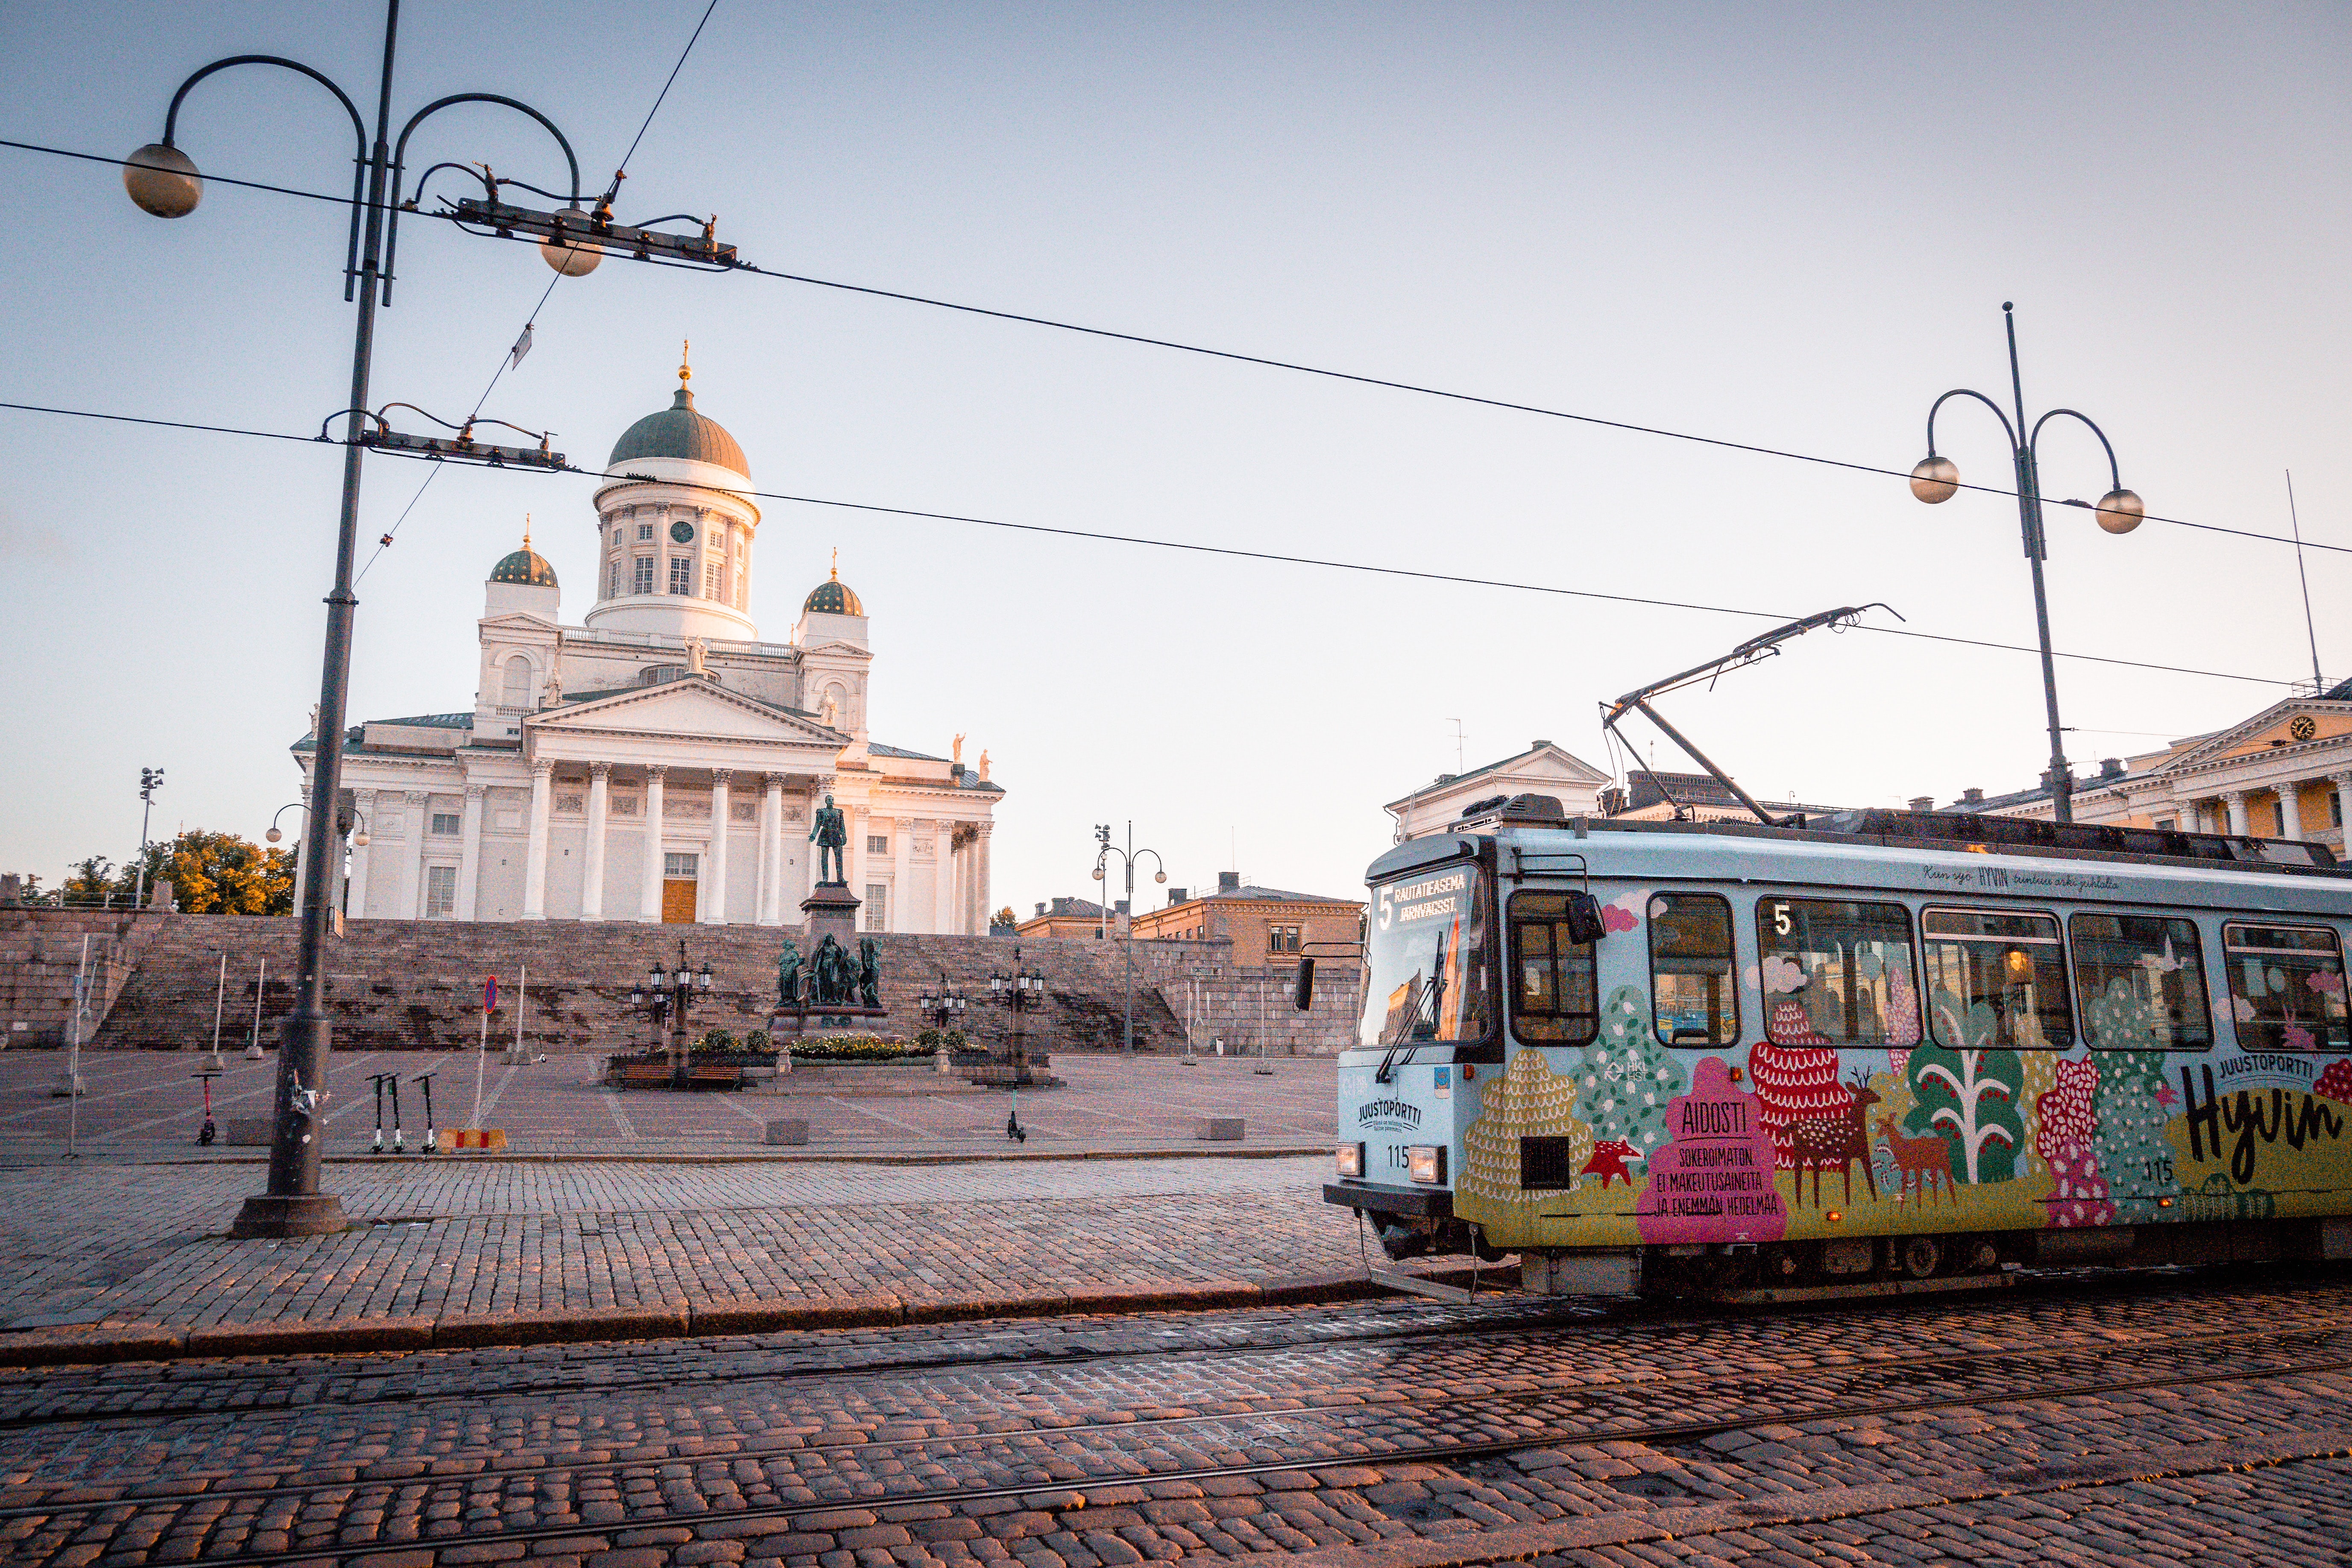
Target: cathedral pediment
x,y
686,711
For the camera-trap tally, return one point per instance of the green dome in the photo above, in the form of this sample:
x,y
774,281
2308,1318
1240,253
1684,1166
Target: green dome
x,y
678,431
525,566
833,598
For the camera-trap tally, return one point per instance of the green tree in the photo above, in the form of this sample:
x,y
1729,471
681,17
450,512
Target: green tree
x,y
221,874
92,881
1626,1077
1970,1093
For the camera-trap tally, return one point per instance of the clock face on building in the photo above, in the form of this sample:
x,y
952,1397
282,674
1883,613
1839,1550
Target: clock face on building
x,y
682,531
2304,728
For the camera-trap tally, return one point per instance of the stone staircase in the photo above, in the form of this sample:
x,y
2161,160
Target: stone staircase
x,y
41,950
417,985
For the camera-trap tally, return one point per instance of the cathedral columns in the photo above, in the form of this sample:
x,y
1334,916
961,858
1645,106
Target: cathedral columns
x,y
2290,799
979,879
714,892
649,900
902,884
771,852
2235,799
534,865
592,866
355,891
469,852
942,878
412,893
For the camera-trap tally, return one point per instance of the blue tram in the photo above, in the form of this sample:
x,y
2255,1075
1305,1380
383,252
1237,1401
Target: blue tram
x,y
1890,1048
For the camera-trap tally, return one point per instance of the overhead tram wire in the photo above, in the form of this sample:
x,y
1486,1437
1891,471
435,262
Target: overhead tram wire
x,y
506,361
1238,554
1268,362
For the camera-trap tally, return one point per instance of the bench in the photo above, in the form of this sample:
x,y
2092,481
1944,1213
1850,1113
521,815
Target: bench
x,y
640,1074
722,1077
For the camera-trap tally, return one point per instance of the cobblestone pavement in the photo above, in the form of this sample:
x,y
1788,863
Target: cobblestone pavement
x,y
144,1105
2146,1419
128,1244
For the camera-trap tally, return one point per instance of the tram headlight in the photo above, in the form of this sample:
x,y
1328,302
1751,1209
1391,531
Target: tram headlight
x,y
1425,1163
1350,1159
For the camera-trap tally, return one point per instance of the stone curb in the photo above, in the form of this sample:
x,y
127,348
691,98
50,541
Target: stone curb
x,y
90,1346
815,1157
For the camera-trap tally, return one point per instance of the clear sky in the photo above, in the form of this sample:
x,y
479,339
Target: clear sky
x,y
1787,226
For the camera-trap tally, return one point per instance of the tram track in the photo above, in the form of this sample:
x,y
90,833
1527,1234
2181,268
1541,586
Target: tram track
x,y
1500,1322
2027,1386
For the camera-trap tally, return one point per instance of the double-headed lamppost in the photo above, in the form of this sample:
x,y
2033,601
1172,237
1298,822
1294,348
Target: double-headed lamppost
x,y
162,180
1104,851
1937,479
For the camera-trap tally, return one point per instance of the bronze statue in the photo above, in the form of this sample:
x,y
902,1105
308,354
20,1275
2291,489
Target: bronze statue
x,y
828,985
788,975
869,973
830,834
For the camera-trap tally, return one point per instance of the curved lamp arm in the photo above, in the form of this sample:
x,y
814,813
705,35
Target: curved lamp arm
x,y
400,154
2114,474
359,133
2007,428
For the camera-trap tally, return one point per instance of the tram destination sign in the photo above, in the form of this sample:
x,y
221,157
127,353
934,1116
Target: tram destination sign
x,y
1441,896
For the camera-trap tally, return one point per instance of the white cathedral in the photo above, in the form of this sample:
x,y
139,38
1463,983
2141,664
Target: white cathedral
x,y
660,762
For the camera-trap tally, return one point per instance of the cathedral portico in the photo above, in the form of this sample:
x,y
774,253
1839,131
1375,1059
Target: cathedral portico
x,y
661,763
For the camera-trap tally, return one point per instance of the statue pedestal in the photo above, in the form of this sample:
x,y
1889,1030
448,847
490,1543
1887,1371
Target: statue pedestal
x,y
831,910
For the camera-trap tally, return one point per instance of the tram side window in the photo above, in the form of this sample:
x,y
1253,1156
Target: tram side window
x,y
1996,981
1691,990
2143,980
1837,973
2286,987
1558,997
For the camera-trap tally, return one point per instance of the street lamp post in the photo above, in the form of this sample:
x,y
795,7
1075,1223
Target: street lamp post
x,y
1021,990
1937,480
162,180
150,781
1106,849
668,993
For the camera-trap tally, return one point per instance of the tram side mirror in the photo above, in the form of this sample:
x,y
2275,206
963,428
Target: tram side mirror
x,y
1584,923
1302,987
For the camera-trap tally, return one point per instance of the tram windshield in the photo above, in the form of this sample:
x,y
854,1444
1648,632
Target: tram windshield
x,y
1428,952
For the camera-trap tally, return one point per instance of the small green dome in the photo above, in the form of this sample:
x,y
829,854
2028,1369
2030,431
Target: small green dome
x,y
833,598
525,566
678,431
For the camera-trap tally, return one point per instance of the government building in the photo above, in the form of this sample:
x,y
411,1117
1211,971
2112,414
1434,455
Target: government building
x,y
660,762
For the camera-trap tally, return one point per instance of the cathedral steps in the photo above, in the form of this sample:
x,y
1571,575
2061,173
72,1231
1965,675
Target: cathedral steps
x,y
41,951
417,985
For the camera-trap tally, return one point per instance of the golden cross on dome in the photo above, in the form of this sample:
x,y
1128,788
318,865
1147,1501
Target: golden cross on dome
x,y
526,530
837,562
685,371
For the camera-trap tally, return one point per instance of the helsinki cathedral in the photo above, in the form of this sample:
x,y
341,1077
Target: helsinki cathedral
x,y
661,763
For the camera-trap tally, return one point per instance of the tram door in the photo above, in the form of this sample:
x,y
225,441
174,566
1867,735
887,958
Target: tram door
x,y
679,873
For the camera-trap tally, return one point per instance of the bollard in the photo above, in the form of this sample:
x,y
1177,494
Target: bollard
x,y
794,1131
1218,1130
250,1132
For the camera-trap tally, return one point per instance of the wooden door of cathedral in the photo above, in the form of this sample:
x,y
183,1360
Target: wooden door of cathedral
x,y
680,873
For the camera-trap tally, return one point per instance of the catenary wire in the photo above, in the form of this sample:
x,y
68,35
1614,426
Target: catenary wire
x,y
1265,361
1236,552
506,360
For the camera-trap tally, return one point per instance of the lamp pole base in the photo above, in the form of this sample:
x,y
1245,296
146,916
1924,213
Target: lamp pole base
x,y
308,1214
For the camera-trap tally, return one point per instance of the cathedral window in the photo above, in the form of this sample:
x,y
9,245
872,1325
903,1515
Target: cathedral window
x,y
644,530
445,824
645,583
681,575
516,690
440,893
710,580
613,581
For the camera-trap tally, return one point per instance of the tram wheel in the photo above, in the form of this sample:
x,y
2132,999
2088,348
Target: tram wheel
x,y
1983,1257
1919,1256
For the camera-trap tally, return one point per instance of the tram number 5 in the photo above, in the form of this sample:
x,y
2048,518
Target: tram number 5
x,y
1781,924
1387,907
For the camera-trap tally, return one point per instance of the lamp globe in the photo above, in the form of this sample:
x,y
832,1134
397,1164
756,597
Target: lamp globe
x,y
162,180
2120,512
272,837
573,261
1935,480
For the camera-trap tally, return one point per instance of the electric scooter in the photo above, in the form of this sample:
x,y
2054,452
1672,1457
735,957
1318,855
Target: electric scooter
x,y
205,1138
427,1080
377,1080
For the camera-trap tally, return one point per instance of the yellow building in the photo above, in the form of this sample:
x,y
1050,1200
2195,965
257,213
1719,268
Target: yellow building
x,y
1265,925
2285,772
